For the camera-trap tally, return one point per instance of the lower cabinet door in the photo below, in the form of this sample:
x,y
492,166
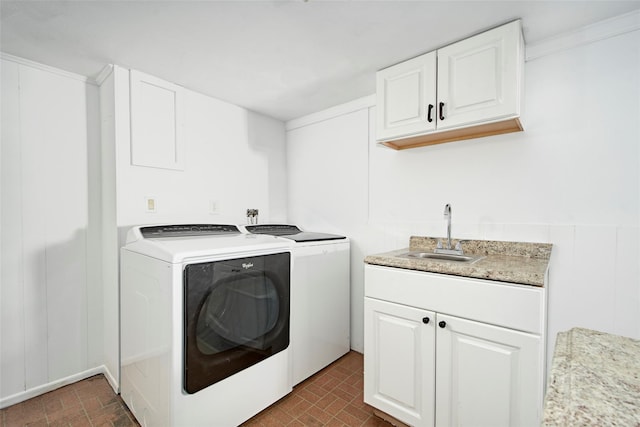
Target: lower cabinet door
x,y
486,375
399,361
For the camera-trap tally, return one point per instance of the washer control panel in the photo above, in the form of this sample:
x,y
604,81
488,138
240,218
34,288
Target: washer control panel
x,y
185,230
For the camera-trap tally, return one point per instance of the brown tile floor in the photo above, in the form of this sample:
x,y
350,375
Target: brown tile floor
x,y
332,397
90,402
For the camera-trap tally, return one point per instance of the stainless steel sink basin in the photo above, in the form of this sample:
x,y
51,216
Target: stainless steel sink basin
x,y
445,257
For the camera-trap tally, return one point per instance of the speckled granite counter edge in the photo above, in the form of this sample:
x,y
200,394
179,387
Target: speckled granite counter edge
x,y
511,262
594,380
487,247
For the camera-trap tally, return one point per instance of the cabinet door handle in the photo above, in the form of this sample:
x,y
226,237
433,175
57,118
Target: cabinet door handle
x,y
442,324
429,109
425,320
442,111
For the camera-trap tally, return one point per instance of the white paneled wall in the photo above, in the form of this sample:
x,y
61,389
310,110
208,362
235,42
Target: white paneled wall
x,y
571,179
327,166
49,283
12,340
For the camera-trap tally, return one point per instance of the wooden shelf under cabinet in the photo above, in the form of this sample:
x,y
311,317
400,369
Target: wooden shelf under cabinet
x,y
478,131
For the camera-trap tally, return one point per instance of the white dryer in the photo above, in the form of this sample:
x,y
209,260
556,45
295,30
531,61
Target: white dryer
x,y
205,324
320,297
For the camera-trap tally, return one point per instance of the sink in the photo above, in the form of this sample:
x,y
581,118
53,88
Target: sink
x,y
445,257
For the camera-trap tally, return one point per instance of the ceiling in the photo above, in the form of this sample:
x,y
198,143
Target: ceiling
x,y
284,59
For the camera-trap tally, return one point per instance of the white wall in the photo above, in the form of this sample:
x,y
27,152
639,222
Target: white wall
x,y
51,287
234,157
328,192
571,179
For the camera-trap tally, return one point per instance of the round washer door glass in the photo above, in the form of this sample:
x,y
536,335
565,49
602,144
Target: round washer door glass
x,y
240,310
236,315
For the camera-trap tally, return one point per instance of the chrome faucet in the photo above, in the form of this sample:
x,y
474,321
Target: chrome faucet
x,y
447,216
448,250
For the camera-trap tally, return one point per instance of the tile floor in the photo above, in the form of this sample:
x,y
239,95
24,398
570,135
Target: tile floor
x,y
90,402
332,397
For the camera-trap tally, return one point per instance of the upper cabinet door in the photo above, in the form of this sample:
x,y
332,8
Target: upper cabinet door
x,y
479,79
406,97
156,122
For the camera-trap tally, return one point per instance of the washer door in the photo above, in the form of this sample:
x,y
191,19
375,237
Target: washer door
x,y
236,315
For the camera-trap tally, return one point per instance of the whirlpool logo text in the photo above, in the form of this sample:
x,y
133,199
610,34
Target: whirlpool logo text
x,y
247,266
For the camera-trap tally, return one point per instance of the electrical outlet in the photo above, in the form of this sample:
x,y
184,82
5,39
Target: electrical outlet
x,y
150,204
214,207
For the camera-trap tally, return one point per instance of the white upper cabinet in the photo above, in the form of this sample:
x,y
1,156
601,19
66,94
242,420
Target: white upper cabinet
x,y
156,122
469,89
479,78
408,94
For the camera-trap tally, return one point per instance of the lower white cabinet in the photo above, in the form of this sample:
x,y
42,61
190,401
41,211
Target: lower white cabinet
x,y
486,375
399,361
425,367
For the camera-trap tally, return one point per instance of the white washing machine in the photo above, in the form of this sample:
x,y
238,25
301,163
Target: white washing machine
x,y
320,297
205,324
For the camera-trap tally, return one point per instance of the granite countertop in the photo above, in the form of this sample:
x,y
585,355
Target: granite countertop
x,y
513,262
595,380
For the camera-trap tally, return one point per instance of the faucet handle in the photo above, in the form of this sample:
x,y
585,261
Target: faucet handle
x,y
459,245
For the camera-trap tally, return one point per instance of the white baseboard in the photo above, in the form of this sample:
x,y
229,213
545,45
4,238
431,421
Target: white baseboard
x,y
54,385
111,379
